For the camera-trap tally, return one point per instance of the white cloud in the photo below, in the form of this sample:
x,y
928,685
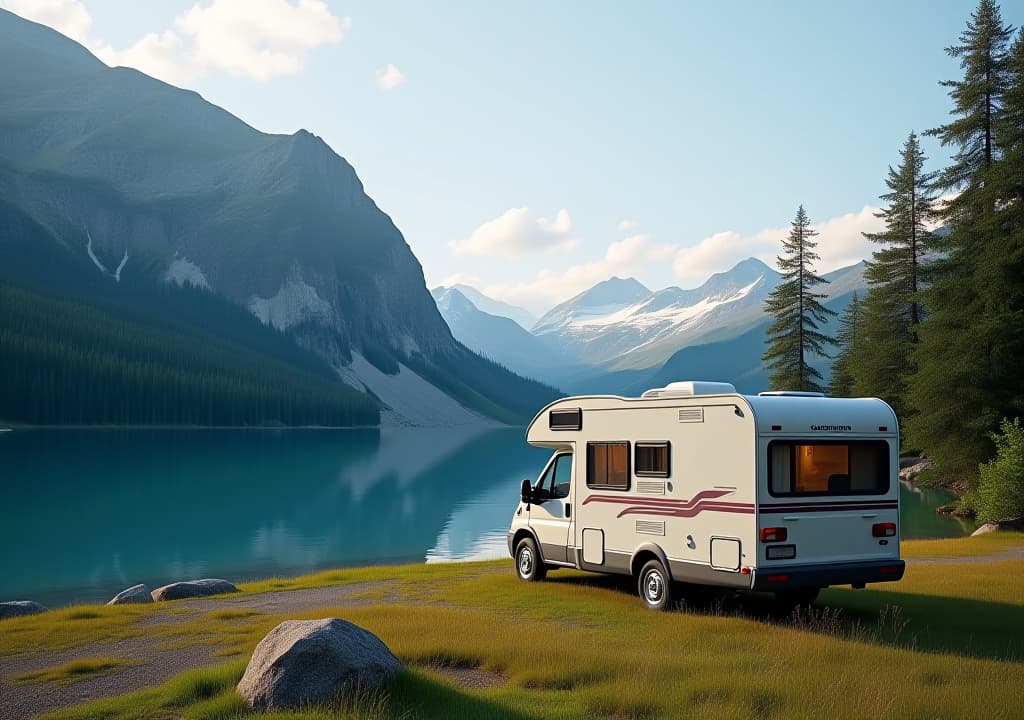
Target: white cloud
x,y
389,77
516,232
626,224
622,258
259,39
66,16
840,243
162,56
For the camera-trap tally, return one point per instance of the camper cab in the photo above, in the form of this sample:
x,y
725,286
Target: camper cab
x,y
694,483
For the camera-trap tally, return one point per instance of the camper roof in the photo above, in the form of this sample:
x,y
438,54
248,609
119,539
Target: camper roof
x,y
689,388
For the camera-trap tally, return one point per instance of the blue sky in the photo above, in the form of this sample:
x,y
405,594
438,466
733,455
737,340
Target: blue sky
x,y
514,140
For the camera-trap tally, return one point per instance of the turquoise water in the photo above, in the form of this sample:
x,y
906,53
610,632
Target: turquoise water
x,y
85,513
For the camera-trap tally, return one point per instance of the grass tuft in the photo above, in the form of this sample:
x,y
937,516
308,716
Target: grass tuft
x,y
73,671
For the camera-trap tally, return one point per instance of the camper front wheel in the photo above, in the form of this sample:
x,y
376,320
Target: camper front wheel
x,y
654,585
528,563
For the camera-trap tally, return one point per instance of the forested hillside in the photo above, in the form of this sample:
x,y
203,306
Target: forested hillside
x,y
76,347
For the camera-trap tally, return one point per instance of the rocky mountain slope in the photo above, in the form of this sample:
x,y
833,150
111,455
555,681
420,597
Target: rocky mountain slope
x,y
151,183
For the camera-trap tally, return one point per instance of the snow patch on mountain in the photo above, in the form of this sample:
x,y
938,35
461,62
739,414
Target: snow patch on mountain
x,y
182,270
295,302
408,399
92,255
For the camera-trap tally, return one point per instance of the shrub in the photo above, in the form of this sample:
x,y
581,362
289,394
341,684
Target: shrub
x,y
1000,494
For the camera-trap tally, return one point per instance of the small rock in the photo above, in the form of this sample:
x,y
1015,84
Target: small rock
x,y
17,608
910,473
309,661
1014,524
193,588
135,594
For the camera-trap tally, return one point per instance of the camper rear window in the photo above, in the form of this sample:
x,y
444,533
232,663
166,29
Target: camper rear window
x,y
651,460
828,468
608,465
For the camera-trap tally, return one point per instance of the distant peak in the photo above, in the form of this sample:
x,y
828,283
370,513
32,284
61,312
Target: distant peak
x,y
629,283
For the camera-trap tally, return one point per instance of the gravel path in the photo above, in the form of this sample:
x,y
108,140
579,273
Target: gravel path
x,y
158,665
1014,553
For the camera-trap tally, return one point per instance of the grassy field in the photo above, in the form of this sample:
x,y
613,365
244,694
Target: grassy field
x,y
946,642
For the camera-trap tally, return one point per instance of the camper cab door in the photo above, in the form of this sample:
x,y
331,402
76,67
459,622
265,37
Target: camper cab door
x,y
551,511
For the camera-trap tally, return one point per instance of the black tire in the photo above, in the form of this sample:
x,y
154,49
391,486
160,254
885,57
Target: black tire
x,y
529,567
654,585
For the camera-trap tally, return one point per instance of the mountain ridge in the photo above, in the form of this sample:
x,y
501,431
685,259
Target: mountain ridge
x,y
171,188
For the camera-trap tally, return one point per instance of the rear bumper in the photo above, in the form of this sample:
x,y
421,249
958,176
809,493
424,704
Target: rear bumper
x,y
822,575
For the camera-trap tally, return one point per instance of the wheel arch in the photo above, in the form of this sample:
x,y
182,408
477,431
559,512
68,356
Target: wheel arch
x,y
525,532
645,552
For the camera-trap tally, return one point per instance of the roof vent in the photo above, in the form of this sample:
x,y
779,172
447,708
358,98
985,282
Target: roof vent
x,y
790,393
689,389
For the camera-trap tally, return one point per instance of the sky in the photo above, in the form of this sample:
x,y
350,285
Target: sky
x,y
533,149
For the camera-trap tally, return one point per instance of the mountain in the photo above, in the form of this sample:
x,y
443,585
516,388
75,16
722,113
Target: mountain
x,y
736,360
142,184
522,316
620,324
504,341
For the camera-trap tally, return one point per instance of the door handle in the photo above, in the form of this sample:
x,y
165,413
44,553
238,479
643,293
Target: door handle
x,y
869,515
568,510
790,517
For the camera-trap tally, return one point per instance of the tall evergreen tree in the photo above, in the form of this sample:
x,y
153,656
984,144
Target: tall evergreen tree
x,y
798,314
841,382
968,368
882,362
977,101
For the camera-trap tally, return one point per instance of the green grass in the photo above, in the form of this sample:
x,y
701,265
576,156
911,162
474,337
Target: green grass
x,y
987,544
945,642
73,671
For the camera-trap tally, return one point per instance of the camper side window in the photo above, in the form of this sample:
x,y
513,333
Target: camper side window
x,y
608,465
652,460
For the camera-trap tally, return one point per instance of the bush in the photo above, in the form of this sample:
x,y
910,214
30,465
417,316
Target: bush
x,y
1000,494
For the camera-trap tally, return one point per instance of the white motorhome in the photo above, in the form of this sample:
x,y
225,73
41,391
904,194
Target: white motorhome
x,y
694,483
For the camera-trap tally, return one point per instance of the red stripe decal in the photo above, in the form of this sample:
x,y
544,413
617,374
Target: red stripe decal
x,y
704,501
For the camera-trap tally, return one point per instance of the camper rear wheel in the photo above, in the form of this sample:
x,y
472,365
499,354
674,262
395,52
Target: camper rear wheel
x,y
529,566
654,585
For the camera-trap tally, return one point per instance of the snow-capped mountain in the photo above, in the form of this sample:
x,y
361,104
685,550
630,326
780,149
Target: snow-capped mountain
x,y
523,317
499,338
621,324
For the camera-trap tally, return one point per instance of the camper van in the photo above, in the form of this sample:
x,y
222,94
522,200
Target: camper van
x,y
694,484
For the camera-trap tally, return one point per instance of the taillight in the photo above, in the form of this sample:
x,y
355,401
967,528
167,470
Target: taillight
x,y
777,534
882,529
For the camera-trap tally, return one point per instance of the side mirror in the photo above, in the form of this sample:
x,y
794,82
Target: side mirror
x,y
526,492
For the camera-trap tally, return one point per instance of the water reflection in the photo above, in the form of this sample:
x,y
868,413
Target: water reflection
x,y
85,513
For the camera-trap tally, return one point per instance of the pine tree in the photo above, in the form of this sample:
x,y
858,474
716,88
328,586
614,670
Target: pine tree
x,y
795,333
967,366
841,382
977,100
883,362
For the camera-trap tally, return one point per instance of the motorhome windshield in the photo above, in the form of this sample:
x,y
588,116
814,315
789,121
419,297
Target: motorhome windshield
x,y
827,468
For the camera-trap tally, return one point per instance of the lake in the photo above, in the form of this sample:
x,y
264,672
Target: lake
x,y
85,513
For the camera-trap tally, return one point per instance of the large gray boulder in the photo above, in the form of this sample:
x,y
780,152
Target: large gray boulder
x,y
909,474
310,661
17,608
1016,524
193,588
135,594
